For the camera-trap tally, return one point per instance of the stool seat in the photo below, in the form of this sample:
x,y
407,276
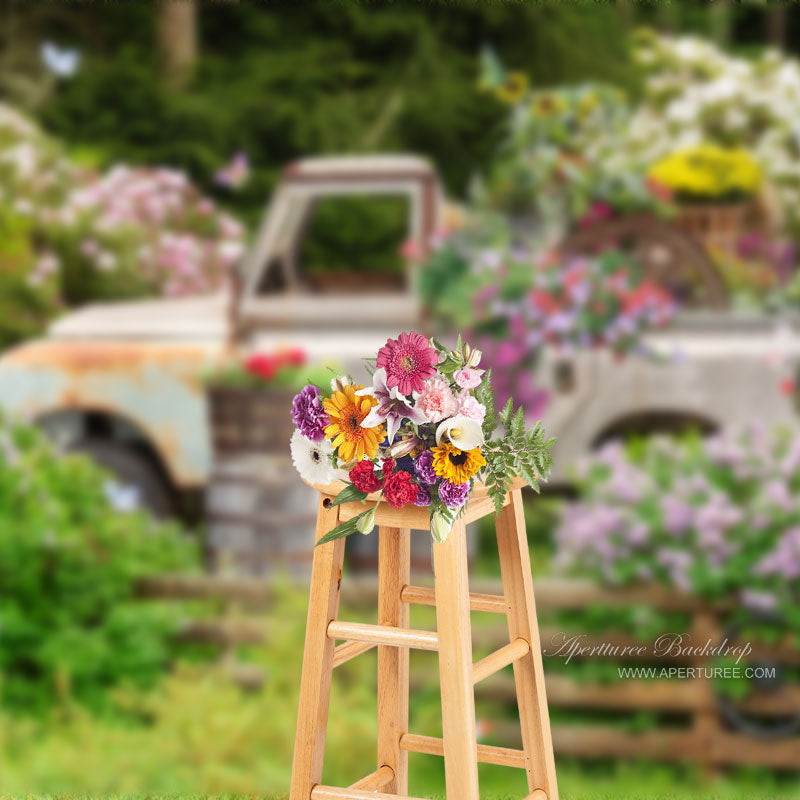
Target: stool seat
x,y
418,519
452,641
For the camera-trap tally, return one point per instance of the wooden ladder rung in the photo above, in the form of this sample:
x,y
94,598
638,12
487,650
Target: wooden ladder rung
x,y
383,634
344,652
320,792
488,754
421,596
375,780
506,655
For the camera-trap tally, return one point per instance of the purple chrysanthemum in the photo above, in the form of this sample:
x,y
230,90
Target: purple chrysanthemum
x,y
308,414
423,466
453,495
423,496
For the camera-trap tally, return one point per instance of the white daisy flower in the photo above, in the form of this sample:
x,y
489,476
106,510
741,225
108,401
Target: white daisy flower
x,y
312,459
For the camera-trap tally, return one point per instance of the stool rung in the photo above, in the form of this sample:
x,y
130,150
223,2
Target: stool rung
x,y
383,634
320,792
344,652
506,655
375,780
422,596
537,794
488,754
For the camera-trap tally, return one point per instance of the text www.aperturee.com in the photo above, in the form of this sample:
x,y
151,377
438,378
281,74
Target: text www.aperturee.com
x,y
710,673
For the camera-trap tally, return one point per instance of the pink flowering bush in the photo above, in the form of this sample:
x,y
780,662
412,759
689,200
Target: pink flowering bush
x,y
719,518
155,224
126,232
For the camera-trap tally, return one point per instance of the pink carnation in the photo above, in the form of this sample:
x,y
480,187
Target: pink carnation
x,y
468,378
436,400
468,406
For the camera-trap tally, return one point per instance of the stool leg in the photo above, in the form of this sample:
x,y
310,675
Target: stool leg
x,y
455,665
315,681
394,557
534,719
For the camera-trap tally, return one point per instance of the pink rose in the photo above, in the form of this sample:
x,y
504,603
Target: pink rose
x,y
468,406
468,378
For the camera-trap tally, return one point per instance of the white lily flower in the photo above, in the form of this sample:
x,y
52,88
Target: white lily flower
x,y
463,432
392,407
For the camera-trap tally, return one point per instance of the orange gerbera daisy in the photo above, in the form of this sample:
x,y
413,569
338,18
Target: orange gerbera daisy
x,y
346,412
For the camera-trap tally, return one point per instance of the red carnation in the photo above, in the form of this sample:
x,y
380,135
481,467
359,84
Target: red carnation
x,y
399,490
364,478
387,468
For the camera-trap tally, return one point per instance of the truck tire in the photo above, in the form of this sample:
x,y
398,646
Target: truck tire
x,y
133,471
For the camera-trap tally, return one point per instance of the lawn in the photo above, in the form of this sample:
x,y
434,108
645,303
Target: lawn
x,y
197,735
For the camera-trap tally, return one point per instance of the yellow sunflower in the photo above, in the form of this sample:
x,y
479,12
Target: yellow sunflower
x,y
457,466
513,88
346,412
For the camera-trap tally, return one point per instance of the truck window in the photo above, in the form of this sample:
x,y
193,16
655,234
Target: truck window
x,y
352,243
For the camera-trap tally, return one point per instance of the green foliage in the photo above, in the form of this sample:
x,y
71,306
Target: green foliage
x,y
319,77
518,452
356,234
292,377
72,628
27,300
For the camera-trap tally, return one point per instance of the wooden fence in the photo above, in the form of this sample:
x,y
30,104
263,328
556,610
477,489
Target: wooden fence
x,y
691,727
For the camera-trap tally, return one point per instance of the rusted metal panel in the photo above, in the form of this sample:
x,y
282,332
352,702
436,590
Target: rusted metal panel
x,y
156,387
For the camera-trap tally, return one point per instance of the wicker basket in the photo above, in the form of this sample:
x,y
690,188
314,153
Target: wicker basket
x,y
250,420
717,226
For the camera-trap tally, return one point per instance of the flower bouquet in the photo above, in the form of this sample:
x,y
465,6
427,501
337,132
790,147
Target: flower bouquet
x,y
422,434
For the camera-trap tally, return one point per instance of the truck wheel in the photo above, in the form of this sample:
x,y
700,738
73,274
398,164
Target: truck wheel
x,y
138,483
772,679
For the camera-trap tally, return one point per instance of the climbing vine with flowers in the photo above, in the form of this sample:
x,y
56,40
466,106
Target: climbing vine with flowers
x,y
421,435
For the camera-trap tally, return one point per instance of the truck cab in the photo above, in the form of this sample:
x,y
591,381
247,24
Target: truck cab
x,y
124,381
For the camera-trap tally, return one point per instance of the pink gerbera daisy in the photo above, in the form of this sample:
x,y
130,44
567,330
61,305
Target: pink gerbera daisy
x,y
408,361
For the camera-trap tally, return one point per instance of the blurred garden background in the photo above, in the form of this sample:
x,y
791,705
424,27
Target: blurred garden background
x,y
604,198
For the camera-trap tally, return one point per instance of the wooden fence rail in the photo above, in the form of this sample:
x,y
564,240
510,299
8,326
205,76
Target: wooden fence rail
x,y
703,738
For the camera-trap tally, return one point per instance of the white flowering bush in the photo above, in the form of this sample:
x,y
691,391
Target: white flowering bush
x,y
694,93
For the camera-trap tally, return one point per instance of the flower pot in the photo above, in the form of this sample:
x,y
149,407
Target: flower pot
x,y
257,516
717,226
247,420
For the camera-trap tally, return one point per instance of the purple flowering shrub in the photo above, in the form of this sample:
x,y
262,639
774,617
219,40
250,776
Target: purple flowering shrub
x,y
718,517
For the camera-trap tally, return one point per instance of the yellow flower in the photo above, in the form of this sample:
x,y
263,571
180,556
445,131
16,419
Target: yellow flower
x,y
513,88
457,466
346,412
586,105
546,103
708,171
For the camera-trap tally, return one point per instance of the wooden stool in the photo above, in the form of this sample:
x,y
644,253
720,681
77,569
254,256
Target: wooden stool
x,y
453,641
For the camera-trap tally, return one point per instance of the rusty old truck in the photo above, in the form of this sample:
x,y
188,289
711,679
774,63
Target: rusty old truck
x,y
123,381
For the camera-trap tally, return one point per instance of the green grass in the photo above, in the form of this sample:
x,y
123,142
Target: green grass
x,y
197,735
